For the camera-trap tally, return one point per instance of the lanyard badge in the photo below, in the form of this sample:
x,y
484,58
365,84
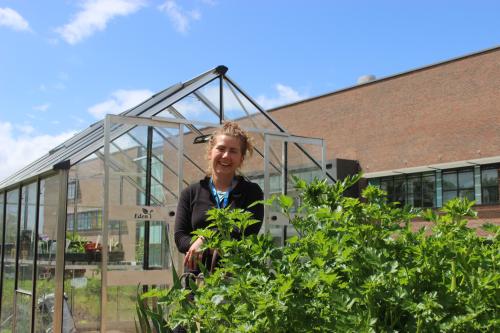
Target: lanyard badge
x,y
217,199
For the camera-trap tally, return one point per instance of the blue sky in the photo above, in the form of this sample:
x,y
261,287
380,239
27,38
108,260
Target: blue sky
x,y
64,63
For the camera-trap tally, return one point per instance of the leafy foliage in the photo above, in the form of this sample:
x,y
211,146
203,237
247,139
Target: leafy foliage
x,y
354,266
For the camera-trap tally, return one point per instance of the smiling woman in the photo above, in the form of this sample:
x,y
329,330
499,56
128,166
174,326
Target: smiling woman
x,y
222,187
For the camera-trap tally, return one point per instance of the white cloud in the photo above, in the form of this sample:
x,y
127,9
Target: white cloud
x,y
180,18
20,145
94,16
120,101
41,107
286,95
12,19
25,129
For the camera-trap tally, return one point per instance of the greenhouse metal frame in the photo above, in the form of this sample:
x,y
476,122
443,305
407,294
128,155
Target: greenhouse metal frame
x,y
86,224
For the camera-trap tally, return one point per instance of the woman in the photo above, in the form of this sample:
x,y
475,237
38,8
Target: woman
x,y
227,149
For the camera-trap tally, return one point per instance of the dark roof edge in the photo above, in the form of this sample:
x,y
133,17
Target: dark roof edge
x,y
393,76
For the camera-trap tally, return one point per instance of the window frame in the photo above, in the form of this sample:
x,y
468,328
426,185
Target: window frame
x,y
484,188
458,189
391,181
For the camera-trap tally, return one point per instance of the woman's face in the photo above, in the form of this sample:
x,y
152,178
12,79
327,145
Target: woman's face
x,y
226,156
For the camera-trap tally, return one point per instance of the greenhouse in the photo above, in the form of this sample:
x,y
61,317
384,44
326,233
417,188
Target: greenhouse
x,y
88,224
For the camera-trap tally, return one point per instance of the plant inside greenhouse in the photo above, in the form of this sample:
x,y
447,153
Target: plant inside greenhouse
x,y
355,265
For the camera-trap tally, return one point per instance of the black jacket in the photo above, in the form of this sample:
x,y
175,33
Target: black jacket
x,y
196,200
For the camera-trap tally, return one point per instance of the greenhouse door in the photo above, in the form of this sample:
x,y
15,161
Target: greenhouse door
x,y
286,156
143,161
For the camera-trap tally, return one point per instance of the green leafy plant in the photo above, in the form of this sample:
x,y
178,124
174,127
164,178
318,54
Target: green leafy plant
x,y
354,266
76,242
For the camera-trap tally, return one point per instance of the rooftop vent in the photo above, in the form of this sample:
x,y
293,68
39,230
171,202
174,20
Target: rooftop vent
x,y
366,78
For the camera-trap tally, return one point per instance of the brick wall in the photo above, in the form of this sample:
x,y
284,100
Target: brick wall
x,y
442,113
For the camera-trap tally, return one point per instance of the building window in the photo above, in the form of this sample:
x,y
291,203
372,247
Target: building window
x,y
89,220
458,183
428,190
73,190
70,218
399,190
433,189
417,190
387,184
489,184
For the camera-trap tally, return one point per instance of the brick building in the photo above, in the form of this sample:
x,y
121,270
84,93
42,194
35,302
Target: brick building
x,y
425,135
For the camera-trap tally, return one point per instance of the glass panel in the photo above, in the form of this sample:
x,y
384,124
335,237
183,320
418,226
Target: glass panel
x,y
448,195
46,261
128,158
82,306
466,179
27,238
490,195
449,181
82,277
469,194
195,156
276,167
415,191
428,190
301,166
386,184
489,178
236,106
23,313
164,166
210,97
399,190
126,272
240,109
9,260
120,309
193,107
159,256
127,240
253,166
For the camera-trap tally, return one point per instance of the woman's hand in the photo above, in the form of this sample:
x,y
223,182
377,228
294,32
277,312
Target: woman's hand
x,y
194,254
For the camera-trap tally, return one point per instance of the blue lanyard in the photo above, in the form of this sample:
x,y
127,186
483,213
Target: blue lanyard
x,y
220,204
